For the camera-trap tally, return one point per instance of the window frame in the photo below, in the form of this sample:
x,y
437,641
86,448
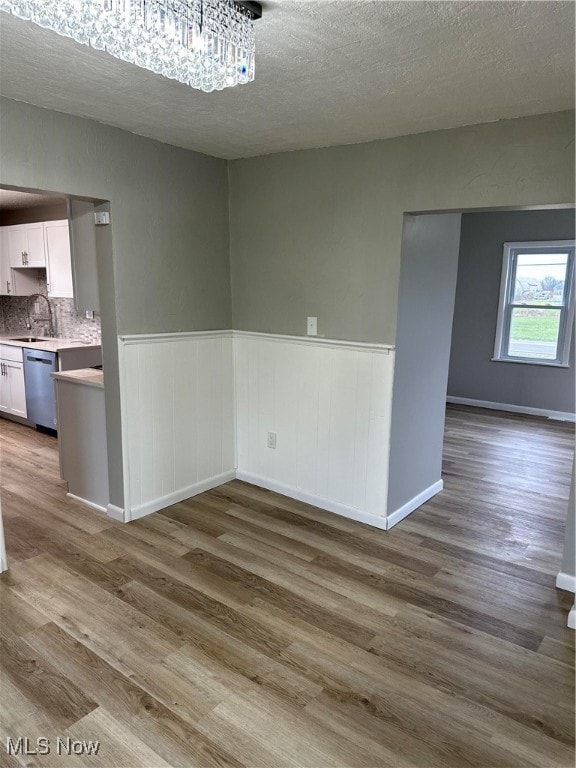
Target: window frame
x,y
506,303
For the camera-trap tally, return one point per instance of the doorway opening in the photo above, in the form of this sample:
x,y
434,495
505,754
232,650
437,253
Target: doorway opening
x,y
502,449
50,331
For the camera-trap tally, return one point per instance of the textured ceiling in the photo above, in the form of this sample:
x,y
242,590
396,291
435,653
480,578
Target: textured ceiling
x,y
10,199
328,72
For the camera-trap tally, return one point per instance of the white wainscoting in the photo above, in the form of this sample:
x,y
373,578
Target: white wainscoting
x,y
178,421
329,403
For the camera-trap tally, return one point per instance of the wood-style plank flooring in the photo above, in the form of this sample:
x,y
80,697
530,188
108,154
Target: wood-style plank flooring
x,y
241,628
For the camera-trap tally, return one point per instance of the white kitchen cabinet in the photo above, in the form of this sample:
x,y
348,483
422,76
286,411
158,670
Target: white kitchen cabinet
x,y
5,271
58,259
17,245
15,282
44,245
26,245
12,387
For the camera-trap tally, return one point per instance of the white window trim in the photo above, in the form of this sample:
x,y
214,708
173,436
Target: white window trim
x,y
563,360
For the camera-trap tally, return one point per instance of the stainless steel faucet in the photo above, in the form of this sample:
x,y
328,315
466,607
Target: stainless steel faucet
x,y
50,319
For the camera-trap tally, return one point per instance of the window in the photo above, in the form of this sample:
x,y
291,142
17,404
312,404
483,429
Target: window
x,y
536,310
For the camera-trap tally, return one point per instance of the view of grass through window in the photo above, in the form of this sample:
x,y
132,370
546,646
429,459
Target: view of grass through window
x,y
536,305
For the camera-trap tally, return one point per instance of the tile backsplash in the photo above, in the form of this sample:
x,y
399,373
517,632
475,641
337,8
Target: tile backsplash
x,y
68,323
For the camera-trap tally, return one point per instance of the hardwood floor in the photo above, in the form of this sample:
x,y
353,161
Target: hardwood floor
x,y
241,628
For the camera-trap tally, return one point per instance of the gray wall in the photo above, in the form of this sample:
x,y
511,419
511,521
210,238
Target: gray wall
x,y
318,232
169,210
164,262
472,372
425,307
315,232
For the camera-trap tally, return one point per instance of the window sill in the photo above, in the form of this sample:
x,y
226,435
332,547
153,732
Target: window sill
x,y
548,363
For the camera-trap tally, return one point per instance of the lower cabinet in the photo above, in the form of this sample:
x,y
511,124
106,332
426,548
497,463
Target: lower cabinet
x,y
12,388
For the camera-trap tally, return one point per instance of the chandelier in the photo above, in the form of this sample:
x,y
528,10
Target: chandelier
x,y
207,44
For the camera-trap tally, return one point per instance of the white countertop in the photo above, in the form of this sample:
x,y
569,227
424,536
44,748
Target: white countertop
x,y
88,376
48,344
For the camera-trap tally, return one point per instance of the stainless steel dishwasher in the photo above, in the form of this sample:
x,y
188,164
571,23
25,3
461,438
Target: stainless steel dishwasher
x,y
40,393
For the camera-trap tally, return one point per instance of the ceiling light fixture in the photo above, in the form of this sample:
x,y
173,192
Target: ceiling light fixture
x,y
207,44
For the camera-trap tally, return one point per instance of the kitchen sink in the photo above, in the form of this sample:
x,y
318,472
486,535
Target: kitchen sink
x,y
29,339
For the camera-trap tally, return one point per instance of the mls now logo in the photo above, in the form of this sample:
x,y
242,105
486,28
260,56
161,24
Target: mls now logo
x,y
25,746
42,746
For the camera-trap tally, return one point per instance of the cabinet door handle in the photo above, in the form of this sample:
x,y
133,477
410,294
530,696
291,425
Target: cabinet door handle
x,y
3,372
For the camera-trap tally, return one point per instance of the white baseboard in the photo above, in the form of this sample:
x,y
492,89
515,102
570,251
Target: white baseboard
x,y
115,512
414,503
566,581
3,560
87,503
317,501
572,617
180,495
556,415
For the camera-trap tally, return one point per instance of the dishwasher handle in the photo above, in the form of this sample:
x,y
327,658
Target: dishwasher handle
x,y
38,360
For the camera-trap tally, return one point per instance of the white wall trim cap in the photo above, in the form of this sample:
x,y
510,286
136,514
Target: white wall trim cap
x,y
556,415
414,503
180,495
572,617
318,341
117,513
317,501
155,338
566,581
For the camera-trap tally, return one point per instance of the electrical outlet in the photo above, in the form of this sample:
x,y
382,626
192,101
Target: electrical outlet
x,y
312,326
89,314
271,443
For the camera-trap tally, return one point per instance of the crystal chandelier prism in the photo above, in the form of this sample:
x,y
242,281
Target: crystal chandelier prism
x,y
207,44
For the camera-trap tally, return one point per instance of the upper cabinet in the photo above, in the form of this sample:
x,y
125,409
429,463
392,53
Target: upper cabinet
x,y
26,248
5,271
26,245
15,282
58,259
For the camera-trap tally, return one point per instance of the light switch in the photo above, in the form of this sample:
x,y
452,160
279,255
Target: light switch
x,y
312,326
